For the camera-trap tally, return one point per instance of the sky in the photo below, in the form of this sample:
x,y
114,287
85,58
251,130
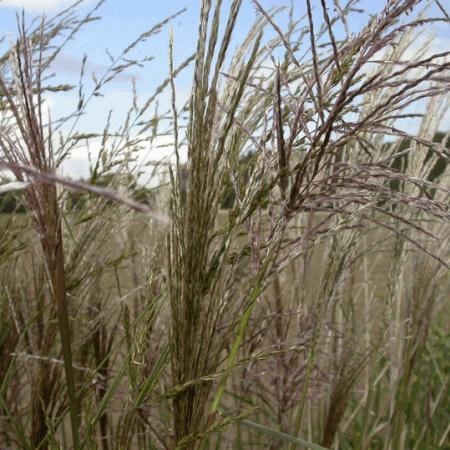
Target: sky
x,y
121,22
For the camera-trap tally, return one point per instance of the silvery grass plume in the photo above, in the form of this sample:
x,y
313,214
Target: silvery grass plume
x,y
309,125
25,143
28,153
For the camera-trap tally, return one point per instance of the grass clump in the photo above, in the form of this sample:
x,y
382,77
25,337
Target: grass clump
x,y
305,315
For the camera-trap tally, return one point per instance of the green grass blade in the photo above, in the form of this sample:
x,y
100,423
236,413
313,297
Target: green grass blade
x,y
104,402
280,435
154,377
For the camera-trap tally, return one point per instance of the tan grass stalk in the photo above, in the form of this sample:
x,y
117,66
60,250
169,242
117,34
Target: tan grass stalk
x,y
34,148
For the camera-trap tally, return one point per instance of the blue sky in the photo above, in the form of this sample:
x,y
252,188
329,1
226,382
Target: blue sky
x,y
121,22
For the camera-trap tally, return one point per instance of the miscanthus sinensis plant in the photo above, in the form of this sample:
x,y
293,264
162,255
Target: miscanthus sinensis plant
x,y
306,314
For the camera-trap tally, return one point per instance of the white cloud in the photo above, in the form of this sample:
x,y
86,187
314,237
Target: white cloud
x,y
37,5
160,153
13,186
445,122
